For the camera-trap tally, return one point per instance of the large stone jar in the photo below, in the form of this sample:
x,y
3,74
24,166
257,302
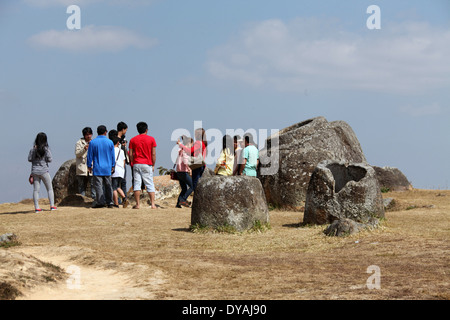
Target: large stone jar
x,y
290,157
236,201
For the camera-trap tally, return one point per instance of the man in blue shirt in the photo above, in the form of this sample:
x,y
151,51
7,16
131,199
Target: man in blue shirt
x,y
251,157
101,163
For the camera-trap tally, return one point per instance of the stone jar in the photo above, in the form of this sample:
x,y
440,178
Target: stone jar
x,y
339,190
290,157
236,201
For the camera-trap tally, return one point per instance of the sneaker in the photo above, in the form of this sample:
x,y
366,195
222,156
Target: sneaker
x,y
125,203
53,208
37,210
185,204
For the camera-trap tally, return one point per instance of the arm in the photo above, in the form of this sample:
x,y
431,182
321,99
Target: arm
x,y
113,157
48,155
242,166
89,159
131,153
80,150
154,157
30,155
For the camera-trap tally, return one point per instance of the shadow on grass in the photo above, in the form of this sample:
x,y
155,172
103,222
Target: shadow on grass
x,y
182,230
17,212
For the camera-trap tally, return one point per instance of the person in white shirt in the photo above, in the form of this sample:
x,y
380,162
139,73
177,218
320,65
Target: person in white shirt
x,y
118,175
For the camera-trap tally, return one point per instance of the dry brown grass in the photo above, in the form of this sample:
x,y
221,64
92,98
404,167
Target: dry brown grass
x,y
160,255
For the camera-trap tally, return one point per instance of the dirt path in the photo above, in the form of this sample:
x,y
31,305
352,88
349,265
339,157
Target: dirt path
x,y
84,282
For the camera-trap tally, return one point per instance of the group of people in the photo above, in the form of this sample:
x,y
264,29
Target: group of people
x,y
237,157
102,163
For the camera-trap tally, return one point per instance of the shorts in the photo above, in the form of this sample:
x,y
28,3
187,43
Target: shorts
x,y
143,173
116,183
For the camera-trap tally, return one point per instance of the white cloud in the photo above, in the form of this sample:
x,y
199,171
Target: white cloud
x,y
47,3
92,39
428,110
305,54
66,3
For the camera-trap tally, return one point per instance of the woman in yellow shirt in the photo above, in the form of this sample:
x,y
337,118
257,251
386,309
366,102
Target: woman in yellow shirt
x,y
225,163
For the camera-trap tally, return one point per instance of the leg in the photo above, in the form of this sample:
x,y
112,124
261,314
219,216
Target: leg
x,y
137,182
48,185
149,184
196,174
184,187
36,189
190,184
98,186
82,184
93,192
123,183
108,190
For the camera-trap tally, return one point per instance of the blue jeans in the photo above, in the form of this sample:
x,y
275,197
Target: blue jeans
x,y
196,174
186,186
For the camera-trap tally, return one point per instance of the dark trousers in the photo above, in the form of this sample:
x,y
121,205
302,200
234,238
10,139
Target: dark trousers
x,y
82,185
103,190
186,185
196,174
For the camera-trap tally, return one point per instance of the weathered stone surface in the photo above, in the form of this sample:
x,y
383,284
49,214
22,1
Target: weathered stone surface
x,y
165,187
392,179
76,200
338,190
345,227
65,181
389,203
8,237
237,201
300,148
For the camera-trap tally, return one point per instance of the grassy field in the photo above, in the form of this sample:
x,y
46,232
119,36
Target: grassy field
x,y
152,254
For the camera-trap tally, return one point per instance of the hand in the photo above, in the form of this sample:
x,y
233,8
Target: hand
x,y
90,170
178,141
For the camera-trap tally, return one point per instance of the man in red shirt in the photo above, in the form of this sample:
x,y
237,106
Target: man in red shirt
x,y
142,157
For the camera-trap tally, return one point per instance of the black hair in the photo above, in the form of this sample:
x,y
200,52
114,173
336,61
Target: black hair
x,y
112,134
186,140
248,138
41,144
141,127
227,143
115,140
101,130
86,131
121,126
200,135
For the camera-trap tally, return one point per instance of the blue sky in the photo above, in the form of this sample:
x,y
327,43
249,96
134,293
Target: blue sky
x,y
232,65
